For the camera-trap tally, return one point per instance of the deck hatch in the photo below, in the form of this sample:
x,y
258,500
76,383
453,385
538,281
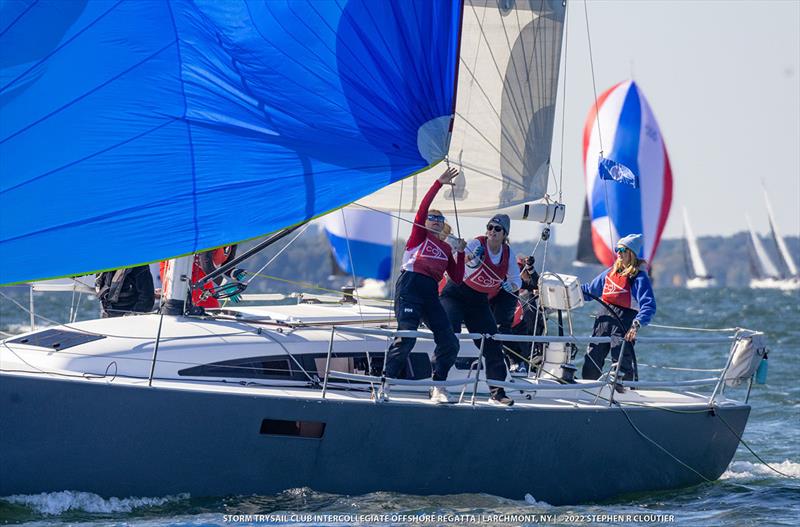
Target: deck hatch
x,y
280,427
57,339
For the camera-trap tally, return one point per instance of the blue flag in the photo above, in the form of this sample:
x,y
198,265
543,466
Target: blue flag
x,y
613,171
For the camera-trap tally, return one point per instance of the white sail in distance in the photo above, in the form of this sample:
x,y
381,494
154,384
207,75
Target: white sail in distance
x,y
502,126
698,265
776,235
766,268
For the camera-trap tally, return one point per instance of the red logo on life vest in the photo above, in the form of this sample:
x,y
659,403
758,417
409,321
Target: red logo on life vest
x,y
484,279
431,250
612,288
616,290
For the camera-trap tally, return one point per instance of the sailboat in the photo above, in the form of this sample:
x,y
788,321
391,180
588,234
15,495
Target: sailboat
x,y
765,274
789,277
198,125
697,276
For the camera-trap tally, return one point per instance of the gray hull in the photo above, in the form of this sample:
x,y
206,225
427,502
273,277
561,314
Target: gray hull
x,y
131,441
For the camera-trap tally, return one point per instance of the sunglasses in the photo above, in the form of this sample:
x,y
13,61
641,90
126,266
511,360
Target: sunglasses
x,y
621,250
495,228
436,217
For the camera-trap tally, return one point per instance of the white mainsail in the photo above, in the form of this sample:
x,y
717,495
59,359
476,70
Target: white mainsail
x,y
776,235
764,265
696,260
503,122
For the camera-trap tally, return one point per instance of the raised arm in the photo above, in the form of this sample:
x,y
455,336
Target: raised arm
x,y
418,231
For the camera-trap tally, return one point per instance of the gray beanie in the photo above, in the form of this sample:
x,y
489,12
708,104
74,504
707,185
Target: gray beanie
x,y
502,220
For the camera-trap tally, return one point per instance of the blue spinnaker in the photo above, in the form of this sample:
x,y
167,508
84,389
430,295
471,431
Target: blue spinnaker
x,y
131,132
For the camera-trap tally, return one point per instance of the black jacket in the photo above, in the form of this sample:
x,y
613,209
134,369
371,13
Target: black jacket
x,y
136,292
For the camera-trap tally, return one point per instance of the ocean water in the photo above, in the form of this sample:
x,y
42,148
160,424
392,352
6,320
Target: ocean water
x,y
748,493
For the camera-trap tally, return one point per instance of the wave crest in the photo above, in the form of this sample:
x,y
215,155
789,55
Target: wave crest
x,y
55,503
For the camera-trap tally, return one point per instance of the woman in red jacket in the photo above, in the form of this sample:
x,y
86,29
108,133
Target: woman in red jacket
x,y
425,260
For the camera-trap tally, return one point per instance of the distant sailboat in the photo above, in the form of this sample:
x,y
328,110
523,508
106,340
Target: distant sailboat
x,y
697,276
789,278
764,273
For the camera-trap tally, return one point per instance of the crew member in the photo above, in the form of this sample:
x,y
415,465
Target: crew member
x,y
425,260
125,291
626,290
525,319
491,267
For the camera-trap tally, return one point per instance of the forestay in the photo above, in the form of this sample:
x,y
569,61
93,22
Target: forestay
x,y
136,131
505,107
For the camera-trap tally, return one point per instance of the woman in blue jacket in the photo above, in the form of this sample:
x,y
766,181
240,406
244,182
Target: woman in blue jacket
x,y
626,290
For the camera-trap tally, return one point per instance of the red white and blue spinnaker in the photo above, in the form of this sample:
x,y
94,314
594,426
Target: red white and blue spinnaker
x,y
628,177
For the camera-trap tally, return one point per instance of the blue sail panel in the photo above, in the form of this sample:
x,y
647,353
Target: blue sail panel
x,y
137,131
361,242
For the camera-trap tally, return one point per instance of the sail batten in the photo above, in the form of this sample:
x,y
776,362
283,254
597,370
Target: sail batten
x,y
156,129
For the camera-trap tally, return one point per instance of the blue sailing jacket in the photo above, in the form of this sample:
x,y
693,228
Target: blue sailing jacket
x,y
638,296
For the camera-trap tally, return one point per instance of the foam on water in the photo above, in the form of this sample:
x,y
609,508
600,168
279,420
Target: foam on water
x,y
530,500
55,503
746,469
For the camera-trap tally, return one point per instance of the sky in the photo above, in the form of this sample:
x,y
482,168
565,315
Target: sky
x,y
723,79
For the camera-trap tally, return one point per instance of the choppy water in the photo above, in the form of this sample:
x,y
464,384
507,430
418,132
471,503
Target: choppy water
x,y
749,493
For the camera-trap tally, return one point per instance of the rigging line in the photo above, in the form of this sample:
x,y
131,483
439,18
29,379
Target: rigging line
x,y
394,242
599,131
453,194
307,225
594,84
625,413
310,285
563,105
506,91
352,268
28,311
737,436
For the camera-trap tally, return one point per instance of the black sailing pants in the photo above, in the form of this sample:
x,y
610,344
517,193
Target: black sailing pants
x,y
607,325
417,299
464,304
